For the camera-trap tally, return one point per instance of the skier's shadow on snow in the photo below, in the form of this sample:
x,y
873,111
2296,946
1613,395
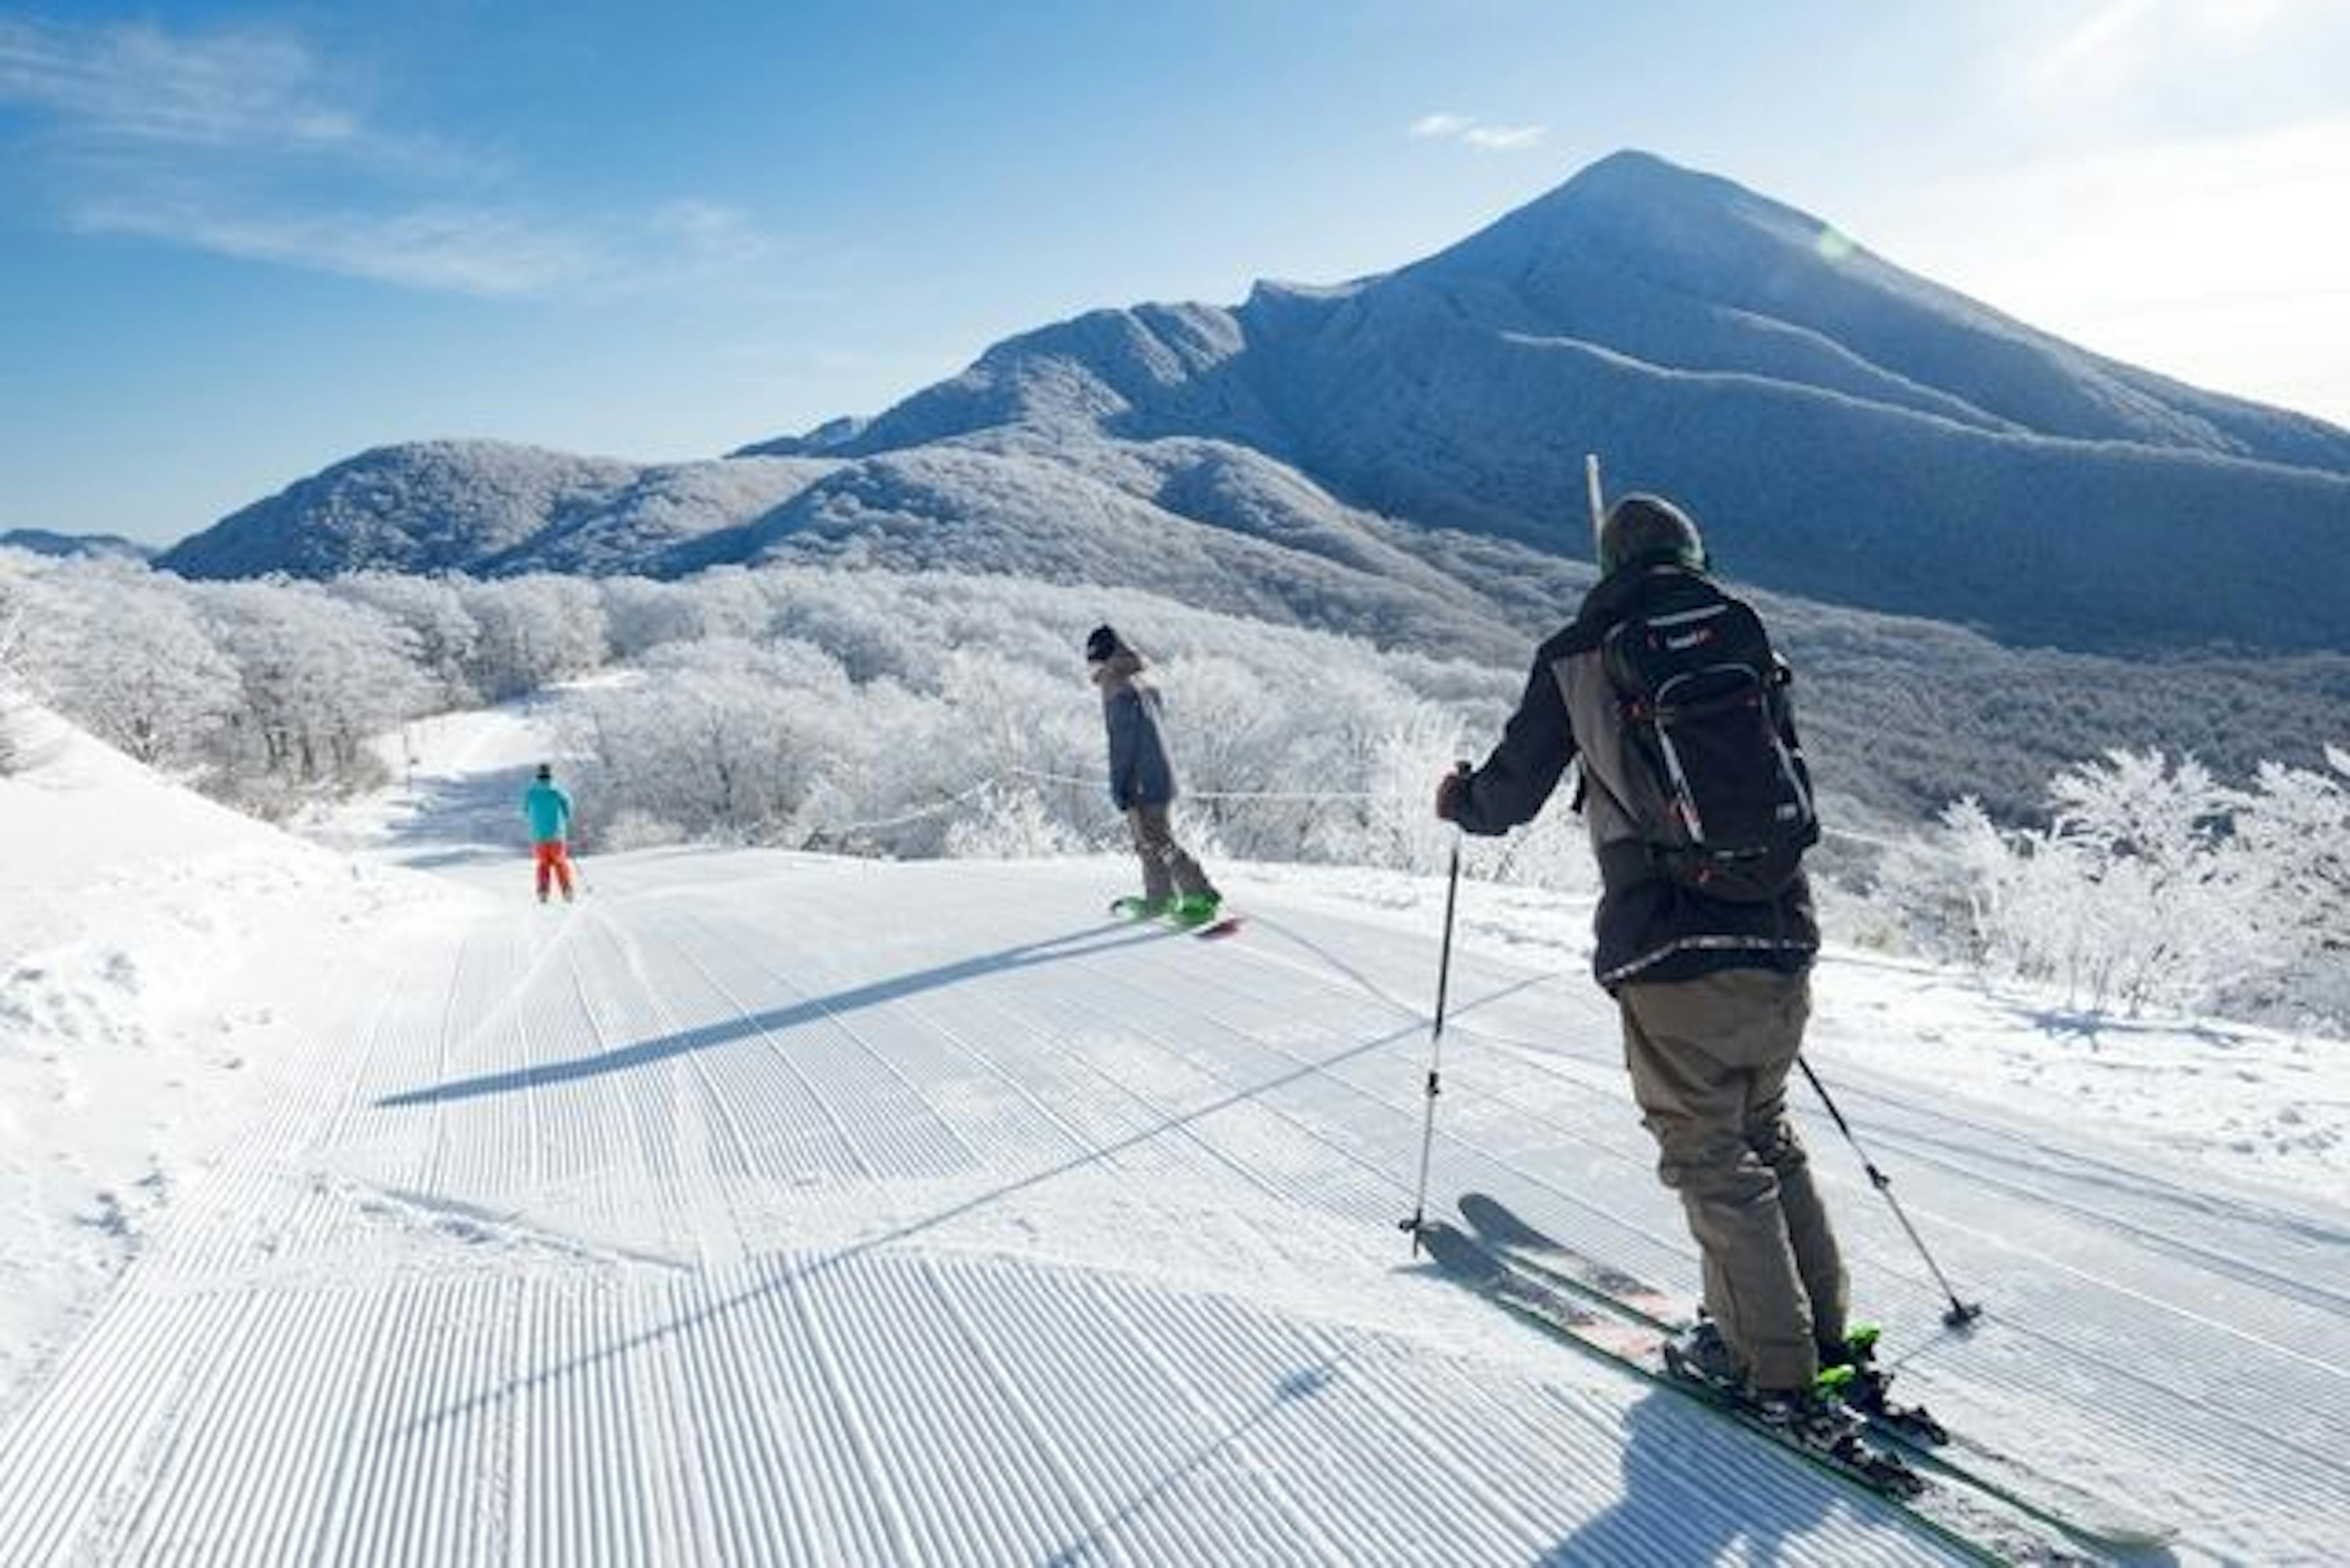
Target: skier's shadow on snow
x,y
1076,944
1692,1494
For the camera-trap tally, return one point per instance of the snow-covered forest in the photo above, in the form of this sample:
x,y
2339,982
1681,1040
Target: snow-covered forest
x,y
931,715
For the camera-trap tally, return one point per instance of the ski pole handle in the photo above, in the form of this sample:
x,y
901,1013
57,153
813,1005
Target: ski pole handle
x,y
1592,494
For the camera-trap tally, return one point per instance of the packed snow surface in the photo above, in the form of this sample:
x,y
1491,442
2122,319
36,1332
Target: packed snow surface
x,y
773,1208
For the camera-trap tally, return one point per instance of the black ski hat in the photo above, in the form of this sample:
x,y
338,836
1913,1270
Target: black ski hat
x,y
545,770
1100,643
1643,527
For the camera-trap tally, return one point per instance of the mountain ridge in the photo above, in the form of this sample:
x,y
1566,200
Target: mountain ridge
x,y
1847,431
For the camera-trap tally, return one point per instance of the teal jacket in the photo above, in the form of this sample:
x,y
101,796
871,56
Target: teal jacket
x,y
549,810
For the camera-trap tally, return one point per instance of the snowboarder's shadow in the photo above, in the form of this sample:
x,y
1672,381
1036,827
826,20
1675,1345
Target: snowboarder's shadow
x,y
1693,1490
1081,943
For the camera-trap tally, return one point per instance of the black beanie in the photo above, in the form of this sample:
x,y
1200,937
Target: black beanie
x,y
1100,644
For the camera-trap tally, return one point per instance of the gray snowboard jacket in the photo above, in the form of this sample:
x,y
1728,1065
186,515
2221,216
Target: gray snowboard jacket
x,y
1140,773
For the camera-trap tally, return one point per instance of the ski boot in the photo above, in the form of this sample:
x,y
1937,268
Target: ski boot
x,y
1851,1370
1812,1419
1196,909
1132,908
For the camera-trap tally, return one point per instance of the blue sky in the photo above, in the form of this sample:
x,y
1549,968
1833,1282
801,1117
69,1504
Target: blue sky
x,y
241,241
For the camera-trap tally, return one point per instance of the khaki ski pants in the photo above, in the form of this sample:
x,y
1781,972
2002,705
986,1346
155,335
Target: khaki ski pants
x,y
1709,1059
1166,869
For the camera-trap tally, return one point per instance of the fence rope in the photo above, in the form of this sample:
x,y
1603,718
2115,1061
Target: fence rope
x,y
1286,797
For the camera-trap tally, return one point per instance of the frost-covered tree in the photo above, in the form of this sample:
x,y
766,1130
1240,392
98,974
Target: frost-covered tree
x,y
2295,827
123,653
716,739
726,602
1390,820
320,677
1011,822
533,630
1235,743
2172,908
148,678
1946,894
11,671
2152,884
432,610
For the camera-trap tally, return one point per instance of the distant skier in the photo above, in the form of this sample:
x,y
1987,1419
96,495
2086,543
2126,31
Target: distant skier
x,y
1142,785
549,810
1712,987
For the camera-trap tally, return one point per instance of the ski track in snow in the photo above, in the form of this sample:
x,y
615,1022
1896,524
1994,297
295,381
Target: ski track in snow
x,y
770,1209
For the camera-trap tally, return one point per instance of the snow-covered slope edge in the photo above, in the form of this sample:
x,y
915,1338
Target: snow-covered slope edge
x,y
159,957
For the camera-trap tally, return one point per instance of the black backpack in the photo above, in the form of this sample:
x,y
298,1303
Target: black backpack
x,y
1718,787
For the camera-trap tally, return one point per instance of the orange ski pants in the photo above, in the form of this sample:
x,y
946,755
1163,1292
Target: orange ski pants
x,y
552,861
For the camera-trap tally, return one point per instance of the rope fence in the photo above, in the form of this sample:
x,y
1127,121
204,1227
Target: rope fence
x,y
1280,797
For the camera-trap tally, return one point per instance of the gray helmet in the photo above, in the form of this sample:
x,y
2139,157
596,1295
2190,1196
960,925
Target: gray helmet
x,y
1649,528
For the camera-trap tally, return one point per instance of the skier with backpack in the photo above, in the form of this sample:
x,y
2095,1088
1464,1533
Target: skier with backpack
x,y
1667,692
1142,785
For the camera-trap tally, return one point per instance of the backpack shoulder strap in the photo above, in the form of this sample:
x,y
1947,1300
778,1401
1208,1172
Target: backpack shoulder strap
x,y
1628,598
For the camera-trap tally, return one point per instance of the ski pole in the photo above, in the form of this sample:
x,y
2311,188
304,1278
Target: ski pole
x,y
1961,1312
1436,1041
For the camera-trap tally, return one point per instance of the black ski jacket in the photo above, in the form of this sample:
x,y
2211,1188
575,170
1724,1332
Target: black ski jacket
x,y
1647,927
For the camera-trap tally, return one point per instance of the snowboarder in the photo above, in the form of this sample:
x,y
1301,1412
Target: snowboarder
x,y
1142,785
1712,992
549,810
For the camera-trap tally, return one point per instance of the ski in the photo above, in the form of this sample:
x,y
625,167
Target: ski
x,y
1961,1520
2087,1516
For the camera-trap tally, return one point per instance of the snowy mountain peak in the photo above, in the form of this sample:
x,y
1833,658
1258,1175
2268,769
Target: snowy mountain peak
x,y
45,542
1627,196
489,506
832,435
1856,434
415,506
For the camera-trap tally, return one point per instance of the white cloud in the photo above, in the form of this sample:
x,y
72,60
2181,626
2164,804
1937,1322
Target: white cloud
x,y
449,250
713,234
1471,132
1504,137
220,143
137,88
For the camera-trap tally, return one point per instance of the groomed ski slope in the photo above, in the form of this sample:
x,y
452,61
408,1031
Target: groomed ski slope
x,y
773,1209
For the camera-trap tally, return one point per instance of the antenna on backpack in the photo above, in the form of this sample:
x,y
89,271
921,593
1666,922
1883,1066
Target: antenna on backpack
x,y
1598,504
